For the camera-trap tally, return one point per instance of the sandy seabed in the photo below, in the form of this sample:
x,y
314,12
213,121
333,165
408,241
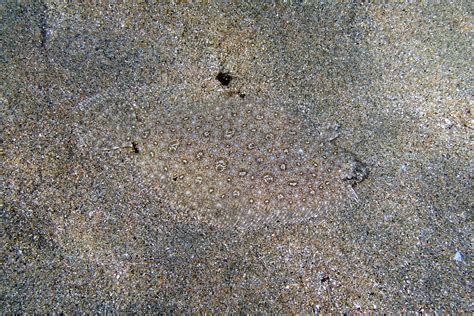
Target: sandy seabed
x,y
84,231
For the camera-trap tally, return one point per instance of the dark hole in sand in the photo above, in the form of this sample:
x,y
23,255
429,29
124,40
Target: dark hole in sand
x,y
136,150
224,78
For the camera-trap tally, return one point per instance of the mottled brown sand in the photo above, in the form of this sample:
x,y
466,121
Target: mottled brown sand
x,y
88,232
